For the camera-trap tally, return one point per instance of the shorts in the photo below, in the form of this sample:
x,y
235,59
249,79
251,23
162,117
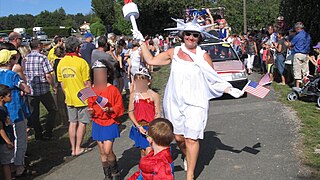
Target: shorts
x,y
270,68
80,114
300,65
6,154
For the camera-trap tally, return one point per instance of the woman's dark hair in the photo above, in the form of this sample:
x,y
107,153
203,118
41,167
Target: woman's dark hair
x,y
60,51
4,90
110,71
151,43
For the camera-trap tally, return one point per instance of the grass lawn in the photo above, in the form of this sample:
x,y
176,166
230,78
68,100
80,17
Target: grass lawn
x,y
44,156
309,115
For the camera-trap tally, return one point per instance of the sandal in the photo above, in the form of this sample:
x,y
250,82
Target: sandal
x,y
85,150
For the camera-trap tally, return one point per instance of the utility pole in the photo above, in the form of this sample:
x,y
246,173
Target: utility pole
x,y
244,17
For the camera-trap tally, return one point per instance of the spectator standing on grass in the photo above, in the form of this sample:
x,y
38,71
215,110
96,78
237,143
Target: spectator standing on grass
x,y
6,133
301,49
281,51
73,74
62,115
58,41
38,73
87,47
15,39
100,53
7,77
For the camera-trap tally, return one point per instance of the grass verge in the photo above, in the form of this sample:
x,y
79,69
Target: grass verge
x,y
309,115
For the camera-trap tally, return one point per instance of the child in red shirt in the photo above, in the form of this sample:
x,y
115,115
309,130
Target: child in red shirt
x,y
144,106
104,125
158,164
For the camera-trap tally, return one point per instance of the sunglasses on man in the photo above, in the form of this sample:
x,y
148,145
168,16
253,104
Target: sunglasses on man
x,y
194,34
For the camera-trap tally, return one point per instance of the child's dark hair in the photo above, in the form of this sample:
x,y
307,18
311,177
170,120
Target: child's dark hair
x,y
161,131
110,71
4,90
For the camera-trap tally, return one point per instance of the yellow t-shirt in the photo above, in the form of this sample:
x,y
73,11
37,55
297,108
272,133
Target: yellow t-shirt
x,y
73,72
51,55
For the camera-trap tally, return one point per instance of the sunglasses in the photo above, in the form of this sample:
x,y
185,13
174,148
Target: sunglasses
x,y
195,35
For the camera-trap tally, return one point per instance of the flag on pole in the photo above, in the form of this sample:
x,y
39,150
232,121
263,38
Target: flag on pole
x,y
101,101
85,93
255,89
265,80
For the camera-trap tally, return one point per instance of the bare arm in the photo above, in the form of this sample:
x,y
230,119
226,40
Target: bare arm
x,y
161,59
255,48
25,88
208,59
157,105
51,82
18,69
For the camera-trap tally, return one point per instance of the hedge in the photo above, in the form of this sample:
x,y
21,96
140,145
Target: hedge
x,y
50,31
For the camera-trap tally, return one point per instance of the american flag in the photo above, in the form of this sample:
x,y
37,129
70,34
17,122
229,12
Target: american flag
x,y
85,93
265,80
256,89
101,101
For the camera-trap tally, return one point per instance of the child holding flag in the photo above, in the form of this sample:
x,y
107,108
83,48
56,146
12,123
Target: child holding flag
x,y
104,109
144,106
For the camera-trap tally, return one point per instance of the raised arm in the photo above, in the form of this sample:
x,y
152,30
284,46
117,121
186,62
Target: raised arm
x,y
161,59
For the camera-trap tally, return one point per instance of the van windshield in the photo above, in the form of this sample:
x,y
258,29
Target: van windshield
x,y
220,52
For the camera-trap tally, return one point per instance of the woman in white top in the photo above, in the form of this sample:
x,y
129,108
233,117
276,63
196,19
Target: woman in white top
x,y
192,83
134,61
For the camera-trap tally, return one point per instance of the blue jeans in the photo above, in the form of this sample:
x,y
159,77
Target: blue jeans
x,y
280,63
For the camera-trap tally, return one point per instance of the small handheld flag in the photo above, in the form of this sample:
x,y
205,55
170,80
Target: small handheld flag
x,y
101,101
255,89
85,93
265,80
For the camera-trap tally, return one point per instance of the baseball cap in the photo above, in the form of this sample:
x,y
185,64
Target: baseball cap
x,y
87,35
317,46
5,55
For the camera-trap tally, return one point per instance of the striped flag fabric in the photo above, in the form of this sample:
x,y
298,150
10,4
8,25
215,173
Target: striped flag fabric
x,y
255,89
85,93
265,80
101,101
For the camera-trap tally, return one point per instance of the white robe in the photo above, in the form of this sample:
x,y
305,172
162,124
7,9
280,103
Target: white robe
x,y
190,87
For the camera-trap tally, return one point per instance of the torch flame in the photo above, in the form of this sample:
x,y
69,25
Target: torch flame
x,y
127,1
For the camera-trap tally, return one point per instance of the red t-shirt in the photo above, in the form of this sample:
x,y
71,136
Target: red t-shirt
x,y
114,100
155,166
319,65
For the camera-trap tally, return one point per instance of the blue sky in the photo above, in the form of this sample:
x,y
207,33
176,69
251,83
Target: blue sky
x,y
34,7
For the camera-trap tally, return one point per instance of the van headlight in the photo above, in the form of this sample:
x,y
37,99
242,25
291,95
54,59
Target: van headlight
x,y
241,75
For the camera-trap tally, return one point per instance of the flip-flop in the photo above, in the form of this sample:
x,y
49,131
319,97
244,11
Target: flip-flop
x,y
85,150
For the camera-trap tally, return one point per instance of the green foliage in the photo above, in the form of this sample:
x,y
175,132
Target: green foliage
x,y
306,11
105,11
97,28
259,13
121,26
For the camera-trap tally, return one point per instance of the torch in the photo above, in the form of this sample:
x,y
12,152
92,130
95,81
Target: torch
x,y
131,13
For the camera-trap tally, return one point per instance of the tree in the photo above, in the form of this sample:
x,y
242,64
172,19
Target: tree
x,y
121,26
97,28
305,11
105,11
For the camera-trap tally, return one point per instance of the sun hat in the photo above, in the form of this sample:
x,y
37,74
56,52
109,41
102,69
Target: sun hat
x,y
191,26
5,55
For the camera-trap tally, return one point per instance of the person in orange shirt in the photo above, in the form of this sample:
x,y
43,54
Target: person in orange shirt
x,y
104,125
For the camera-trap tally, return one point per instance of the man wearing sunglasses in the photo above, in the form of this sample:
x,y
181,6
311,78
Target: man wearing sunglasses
x,y
15,39
192,83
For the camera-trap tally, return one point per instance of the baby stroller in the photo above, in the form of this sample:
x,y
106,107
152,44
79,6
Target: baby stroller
x,y
311,88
